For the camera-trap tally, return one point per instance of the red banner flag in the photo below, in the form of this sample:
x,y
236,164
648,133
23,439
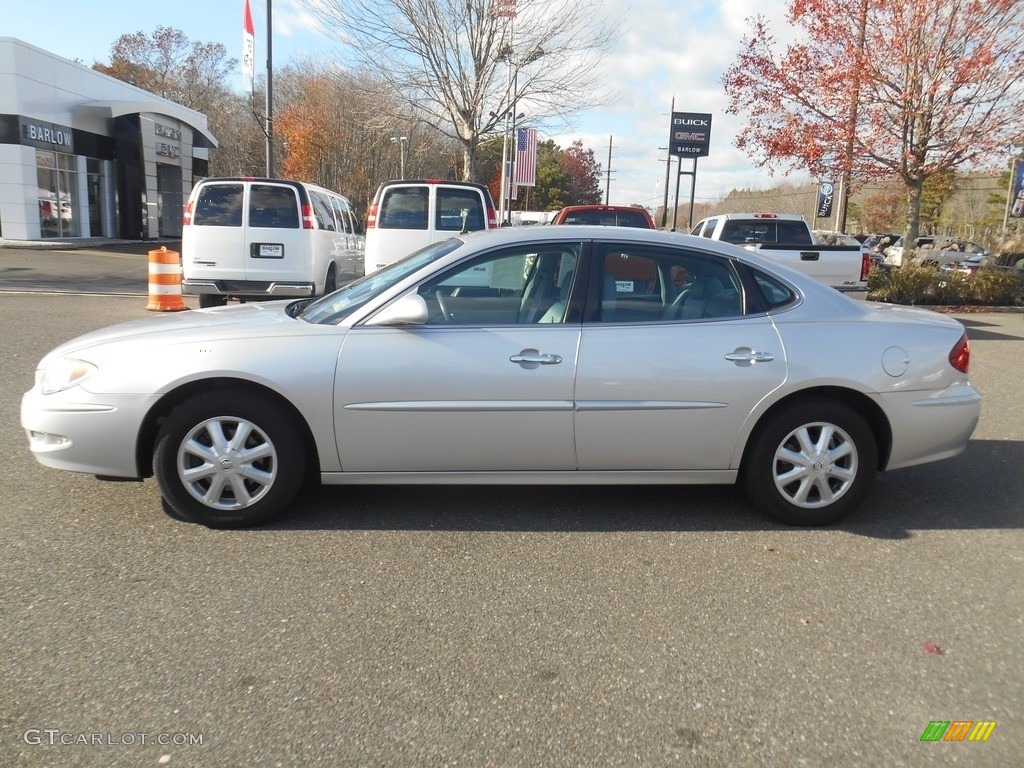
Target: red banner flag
x,y
248,49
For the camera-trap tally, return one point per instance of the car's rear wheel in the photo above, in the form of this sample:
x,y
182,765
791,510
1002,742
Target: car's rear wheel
x,y
331,281
229,460
811,464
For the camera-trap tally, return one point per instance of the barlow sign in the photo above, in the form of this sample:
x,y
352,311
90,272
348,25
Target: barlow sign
x,y
690,135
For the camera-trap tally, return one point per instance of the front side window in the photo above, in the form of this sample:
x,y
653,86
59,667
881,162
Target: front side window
x,y
651,283
335,307
520,285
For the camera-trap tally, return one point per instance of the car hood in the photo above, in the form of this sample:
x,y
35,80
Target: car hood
x,y
253,319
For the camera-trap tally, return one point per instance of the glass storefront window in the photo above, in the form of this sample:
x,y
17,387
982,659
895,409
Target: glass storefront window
x,y
57,182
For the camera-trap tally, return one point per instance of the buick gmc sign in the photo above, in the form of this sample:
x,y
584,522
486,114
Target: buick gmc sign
x,y
690,135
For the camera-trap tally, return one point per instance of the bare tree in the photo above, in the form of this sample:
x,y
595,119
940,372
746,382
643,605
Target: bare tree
x,y
465,67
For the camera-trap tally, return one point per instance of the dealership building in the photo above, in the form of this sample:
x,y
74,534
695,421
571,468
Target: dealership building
x,y
84,155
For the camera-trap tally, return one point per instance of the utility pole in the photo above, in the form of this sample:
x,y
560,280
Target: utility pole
x,y
668,170
608,175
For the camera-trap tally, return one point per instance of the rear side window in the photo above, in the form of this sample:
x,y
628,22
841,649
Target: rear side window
x,y
218,205
709,228
775,293
404,208
459,210
322,211
273,207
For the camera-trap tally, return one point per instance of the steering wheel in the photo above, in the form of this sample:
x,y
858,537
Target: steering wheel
x,y
439,295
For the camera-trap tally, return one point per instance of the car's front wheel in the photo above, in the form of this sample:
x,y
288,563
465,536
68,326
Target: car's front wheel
x,y
229,460
811,464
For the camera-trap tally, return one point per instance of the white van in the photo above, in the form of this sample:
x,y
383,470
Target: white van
x,y
267,238
407,215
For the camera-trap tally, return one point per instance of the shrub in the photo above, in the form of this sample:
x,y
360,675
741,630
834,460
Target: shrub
x,y
914,284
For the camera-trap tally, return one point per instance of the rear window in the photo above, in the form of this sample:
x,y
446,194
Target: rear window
x,y
459,210
218,205
744,232
608,218
274,207
404,208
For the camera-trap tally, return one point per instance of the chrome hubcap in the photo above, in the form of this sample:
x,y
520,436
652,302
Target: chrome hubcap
x,y
227,463
815,465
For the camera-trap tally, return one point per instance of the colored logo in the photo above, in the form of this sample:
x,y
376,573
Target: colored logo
x,y
958,730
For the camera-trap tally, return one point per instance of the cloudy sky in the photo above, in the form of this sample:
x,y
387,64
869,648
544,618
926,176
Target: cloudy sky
x,y
667,49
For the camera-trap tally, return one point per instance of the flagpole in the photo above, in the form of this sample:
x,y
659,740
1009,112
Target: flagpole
x,y
270,96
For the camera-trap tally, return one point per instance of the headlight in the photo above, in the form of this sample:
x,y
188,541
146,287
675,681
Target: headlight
x,y
61,374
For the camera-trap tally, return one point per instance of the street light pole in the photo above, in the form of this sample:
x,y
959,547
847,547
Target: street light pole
x,y
401,141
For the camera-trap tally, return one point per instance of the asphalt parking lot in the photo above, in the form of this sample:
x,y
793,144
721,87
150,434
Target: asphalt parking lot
x,y
415,626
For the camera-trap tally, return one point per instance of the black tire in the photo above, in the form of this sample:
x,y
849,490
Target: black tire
x,y
233,486
331,281
209,300
811,464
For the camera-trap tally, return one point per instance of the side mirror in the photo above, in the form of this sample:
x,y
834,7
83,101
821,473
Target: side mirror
x,y
410,309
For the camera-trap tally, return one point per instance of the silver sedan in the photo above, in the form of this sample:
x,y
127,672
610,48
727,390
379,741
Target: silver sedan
x,y
588,355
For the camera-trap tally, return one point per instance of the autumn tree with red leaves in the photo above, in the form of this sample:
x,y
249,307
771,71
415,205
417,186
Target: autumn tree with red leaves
x,y
883,88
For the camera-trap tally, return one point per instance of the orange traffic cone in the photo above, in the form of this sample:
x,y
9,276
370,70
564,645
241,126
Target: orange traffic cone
x,y
165,281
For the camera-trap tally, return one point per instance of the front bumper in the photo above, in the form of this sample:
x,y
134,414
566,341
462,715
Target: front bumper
x,y
80,432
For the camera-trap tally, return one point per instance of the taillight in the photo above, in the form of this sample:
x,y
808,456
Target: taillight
x,y
307,217
492,218
187,218
865,265
371,217
960,355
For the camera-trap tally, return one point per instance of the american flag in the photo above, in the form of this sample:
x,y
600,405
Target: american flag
x,y
525,171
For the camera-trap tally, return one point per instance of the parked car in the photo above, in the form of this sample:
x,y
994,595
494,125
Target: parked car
x,y
525,355
605,215
408,214
946,250
824,237
878,243
252,238
968,266
894,254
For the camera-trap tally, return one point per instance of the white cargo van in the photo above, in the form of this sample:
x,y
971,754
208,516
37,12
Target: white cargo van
x,y
409,214
255,238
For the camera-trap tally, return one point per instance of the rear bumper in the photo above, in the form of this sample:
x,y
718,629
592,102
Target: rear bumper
x,y
269,289
928,426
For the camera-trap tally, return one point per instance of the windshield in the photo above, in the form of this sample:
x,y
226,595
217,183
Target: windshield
x,y
335,307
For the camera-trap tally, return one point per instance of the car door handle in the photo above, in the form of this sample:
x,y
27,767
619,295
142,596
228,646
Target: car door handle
x,y
528,356
746,356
